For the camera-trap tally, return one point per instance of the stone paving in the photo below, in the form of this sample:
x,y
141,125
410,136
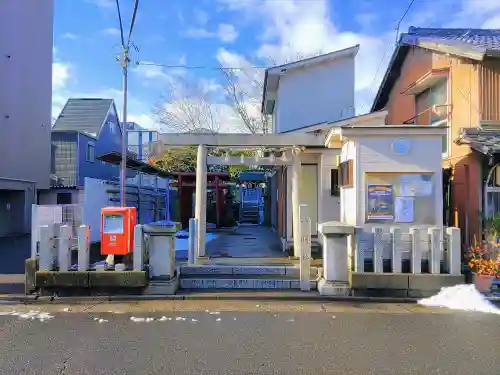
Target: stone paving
x,y
246,241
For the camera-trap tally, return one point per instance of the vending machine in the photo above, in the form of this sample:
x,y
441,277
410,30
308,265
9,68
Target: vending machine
x,y
117,230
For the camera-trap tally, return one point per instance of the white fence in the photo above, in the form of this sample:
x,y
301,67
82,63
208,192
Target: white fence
x,y
55,216
432,245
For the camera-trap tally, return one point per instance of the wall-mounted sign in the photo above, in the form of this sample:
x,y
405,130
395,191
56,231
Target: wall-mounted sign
x,y
380,203
401,146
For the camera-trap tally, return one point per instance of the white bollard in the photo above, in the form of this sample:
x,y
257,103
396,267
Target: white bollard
x,y
83,248
193,226
305,248
397,250
454,251
435,250
416,251
64,248
46,261
138,262
378,250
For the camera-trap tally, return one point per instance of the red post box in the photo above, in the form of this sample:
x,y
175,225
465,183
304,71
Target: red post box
x,y
117,230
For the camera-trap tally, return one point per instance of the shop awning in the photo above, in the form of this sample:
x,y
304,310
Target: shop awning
x,y
137,165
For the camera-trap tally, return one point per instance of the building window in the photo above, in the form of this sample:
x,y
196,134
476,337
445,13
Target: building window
x,y
431,107
346,173
90,154
64,198
112,127
334,182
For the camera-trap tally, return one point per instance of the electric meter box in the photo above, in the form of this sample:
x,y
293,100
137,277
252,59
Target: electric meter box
x,y
117,230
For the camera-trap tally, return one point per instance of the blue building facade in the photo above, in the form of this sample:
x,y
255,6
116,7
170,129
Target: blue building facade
x,y
85,129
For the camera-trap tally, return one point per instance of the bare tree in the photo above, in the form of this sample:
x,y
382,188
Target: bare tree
x,y
187,107
243,91
243,88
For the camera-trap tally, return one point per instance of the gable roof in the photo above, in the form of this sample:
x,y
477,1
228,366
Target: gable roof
x,y
84,115
272,75
473,44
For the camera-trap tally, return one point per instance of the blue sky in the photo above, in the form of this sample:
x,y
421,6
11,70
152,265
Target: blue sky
x,y
241,33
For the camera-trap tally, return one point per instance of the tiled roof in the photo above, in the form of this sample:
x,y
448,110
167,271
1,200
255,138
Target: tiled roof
x,y
485,139
486,38
84,115
480,41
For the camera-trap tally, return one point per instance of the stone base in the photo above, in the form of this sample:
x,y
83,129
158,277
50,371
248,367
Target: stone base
x,y
31,265
333,288
118,279
68,279
162,287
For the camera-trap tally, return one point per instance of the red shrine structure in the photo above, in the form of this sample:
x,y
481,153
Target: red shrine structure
x,y
186,184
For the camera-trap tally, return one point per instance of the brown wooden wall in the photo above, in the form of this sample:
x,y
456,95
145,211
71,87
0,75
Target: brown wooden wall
x,y
490,90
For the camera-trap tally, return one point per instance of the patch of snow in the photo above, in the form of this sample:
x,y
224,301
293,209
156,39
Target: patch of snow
x,y
461,297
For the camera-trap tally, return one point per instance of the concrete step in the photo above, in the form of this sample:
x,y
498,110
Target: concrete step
x,y
276,282
248,270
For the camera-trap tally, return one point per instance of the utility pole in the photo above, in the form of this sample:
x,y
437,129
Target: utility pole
x,y
124,60
123,170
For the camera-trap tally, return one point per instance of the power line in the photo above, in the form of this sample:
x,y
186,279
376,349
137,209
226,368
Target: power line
x,y
388,44
401,19
180,66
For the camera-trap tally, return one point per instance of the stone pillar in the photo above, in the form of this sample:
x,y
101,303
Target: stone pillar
x,y
435,250
396,250
296,165
416,251
46,250
304,235
454,251
138,258
64,248
378,250
201,199
192,242
335,258
83,248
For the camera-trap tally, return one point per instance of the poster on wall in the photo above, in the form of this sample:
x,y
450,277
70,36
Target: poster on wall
x,y
380,202
405,210
415,185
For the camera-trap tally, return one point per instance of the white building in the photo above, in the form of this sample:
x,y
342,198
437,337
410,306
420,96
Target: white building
x,y
26,43
306,97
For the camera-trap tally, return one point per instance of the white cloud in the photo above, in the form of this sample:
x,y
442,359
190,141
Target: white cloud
x,y
60,74
225,32
201,17
69,36
147,70
113,31
104,4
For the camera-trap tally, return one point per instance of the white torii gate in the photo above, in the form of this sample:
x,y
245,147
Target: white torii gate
x,y
290,142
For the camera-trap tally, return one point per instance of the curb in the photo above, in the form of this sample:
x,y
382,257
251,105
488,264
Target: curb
x,y
298,297
200,297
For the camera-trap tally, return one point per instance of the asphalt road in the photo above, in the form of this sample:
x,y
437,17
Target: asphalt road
x,y
257,339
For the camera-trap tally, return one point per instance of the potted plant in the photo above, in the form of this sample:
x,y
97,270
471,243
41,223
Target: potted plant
x,y
483,263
